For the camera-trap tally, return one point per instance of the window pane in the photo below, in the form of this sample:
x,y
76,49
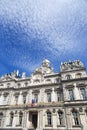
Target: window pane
x,y
49,118
20,118
58,96
60,117
24,99
83,93
75,116
71,94
1,116
49,97
11,118
36,98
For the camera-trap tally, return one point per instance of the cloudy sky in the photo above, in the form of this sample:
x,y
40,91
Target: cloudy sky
x,y
31,30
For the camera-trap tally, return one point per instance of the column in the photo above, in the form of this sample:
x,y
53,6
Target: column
x,y
76,92
38,122
27,98
16,119
30,96
20,98
41,119
54,120
2,99
27,122
53,95
65,94
12,101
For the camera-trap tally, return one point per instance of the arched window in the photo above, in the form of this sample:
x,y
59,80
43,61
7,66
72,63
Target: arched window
x,y
20,118
11,118
49,118
68,77
1,116
60,114
75,117
57,80
37,81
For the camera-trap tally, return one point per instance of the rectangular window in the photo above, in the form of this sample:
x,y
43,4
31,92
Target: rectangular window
x,y
5,99
24,99
16,99
83,93
59,96
49,97
35,98
71,94
48,118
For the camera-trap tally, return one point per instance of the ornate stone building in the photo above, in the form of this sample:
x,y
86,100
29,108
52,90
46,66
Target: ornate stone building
x,y
45,100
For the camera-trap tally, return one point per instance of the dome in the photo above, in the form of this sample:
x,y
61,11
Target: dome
x,y
46,63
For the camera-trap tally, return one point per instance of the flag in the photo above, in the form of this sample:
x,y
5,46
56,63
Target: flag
x,y
33,102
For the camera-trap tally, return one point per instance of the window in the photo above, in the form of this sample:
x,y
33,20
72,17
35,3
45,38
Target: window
x,y
71,94
57,80
11,118
86,112
16,99
35,98
60,114
20,118
83,93
49,97
5,99
78,75
49,122
59,96
75,116
68,77
1,116
48,81
24,98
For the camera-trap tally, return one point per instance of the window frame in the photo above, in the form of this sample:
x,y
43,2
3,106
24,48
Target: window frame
x,y
20,118
49,118
1,117
83,93
61,118
49,98
71,94
11,118
76,117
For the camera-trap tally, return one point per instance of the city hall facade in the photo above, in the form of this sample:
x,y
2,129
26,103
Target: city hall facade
x,y
45,100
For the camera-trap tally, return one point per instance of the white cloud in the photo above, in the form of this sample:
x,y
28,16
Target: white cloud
x,y
57,23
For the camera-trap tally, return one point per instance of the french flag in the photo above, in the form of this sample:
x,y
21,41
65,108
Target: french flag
x,y
33,102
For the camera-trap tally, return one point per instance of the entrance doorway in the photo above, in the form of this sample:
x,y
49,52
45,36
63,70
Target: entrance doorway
x,y
34,120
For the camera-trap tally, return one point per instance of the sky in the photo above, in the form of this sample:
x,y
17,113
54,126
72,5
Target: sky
x,y
32,30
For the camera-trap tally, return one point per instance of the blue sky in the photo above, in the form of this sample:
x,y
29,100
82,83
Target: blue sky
x,y
31,30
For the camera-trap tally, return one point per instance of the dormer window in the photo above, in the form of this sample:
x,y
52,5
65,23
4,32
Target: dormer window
x,y
68,77
48,80
78,75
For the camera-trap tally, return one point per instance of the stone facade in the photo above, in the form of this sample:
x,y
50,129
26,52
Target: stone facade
x,y
45,100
